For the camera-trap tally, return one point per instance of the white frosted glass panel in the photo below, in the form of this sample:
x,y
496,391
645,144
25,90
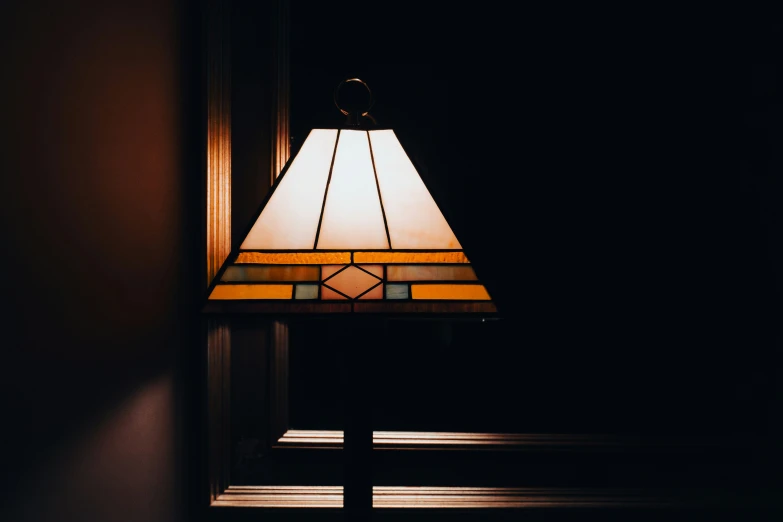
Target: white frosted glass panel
x,y
290,218
352,215
414,219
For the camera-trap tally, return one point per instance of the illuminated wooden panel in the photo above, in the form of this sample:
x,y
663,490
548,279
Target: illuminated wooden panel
x,y
410,257
456,292
252,292
430,273
352,281
270,273
396,291
375,293
327,293
306,292
294,258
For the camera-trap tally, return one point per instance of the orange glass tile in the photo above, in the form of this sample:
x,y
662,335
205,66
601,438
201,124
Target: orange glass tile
x,y
375,293
352,281
410,257
472,292
294,258
429,273
270,273
252,292
328,293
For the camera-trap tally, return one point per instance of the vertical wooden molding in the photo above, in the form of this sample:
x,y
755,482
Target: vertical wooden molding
x,y
219,414
218,136
281,139
218,236
281,149
278,382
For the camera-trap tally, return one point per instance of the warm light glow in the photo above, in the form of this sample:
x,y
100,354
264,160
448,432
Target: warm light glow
x,y
368,190
352,214
298,258
252,292
472,292
290,217
415,221
351,223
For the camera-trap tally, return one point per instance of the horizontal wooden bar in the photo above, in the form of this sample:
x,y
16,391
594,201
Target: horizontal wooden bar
x,y
408,497
505,441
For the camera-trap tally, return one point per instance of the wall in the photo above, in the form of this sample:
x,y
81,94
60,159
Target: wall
x,y
101,172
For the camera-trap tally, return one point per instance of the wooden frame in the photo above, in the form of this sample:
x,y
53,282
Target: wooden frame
x,y
284,438
218,353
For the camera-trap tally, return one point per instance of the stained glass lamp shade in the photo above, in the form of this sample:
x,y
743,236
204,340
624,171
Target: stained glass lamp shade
x,y
349,227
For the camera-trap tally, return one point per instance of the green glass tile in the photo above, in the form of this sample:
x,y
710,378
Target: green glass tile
x,y
396,291
306,292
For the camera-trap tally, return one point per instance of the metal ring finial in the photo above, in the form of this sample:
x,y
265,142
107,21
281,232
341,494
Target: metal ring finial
x,y
337,91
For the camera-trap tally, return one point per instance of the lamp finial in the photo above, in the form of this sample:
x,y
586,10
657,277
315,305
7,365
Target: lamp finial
x,y
356,101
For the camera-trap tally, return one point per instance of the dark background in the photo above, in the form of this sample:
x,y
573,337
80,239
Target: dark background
x,y
614,179
614,185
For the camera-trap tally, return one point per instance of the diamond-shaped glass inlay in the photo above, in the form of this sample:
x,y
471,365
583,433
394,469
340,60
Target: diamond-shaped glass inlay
x,y
352,281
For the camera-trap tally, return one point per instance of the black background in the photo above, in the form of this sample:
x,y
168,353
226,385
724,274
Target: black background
x,y
607,179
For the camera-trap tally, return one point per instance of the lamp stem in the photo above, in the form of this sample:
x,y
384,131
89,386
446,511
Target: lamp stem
x,y
362,336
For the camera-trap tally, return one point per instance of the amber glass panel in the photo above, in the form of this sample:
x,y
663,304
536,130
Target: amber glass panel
x,y
270,273
430,273
352,281
476,292
252,292
410,257
375,293
294,258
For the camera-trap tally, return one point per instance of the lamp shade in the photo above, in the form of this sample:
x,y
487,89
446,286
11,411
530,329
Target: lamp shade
x,y
349,227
